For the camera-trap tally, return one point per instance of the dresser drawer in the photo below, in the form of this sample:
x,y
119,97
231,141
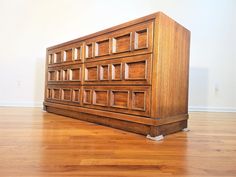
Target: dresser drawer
x,y
131,100
69,74
64,94
136,39
66,55
134,70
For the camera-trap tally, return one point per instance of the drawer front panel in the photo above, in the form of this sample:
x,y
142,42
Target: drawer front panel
x,y
136,39
65,55
71,74
129,70
132,100
64,94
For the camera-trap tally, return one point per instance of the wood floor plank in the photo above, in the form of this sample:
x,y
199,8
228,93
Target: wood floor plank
x,y
34,143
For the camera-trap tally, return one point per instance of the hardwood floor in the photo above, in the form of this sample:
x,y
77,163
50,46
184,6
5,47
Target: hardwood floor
x,y
38,144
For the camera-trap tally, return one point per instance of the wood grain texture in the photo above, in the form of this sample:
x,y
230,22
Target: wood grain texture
x,y
39,144
170,68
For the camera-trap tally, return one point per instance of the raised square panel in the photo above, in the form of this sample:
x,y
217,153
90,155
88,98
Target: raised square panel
x,y
49,93
77,53
102,48
141,39
56,94
121,43
57,57
65,75
116,71
75,74
87,97
50,59
51,75
136,70
66,95
104,72
119,99
59,75
91,73
100,97
138,100
68,55
76,95
89,51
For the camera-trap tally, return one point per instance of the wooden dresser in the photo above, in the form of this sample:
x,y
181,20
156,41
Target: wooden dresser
x,y
133,76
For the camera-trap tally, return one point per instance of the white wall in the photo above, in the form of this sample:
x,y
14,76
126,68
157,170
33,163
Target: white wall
x,y
29,26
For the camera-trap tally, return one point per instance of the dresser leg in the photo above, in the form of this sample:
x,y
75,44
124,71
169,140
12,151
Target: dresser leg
x,y
44,108
154,131
155,134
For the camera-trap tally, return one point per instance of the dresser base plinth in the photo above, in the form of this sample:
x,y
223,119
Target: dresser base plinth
x,y
134,127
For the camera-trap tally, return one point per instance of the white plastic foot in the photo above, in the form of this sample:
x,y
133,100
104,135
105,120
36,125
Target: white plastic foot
x,y
156,138
185,130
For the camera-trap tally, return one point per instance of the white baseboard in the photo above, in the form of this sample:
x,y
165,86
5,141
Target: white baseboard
x,y
21,104
211,109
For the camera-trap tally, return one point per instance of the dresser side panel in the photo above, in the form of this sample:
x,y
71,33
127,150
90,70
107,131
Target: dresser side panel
x,y
170,68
